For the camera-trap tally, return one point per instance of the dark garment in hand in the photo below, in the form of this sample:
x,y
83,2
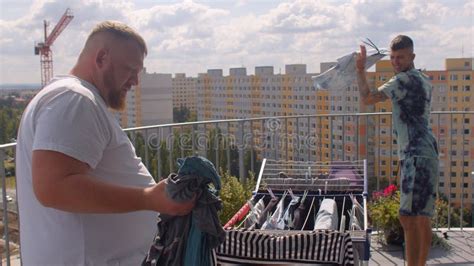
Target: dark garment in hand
x,y
181,239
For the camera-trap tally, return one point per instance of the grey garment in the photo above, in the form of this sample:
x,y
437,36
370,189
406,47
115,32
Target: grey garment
x,y
255,214
272,222
299,216
343,73
169,245
287,220
207,205
266,212
327,217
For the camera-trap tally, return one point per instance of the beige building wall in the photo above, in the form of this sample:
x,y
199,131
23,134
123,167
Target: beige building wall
x,y
148,103
184,91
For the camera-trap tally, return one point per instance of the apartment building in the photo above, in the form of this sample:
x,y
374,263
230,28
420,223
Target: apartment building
x,y
184,92
455,134
148,103
266,94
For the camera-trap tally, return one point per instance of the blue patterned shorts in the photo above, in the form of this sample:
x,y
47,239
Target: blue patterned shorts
x,y
418,186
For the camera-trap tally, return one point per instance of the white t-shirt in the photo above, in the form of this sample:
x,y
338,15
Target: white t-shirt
x,y
69,116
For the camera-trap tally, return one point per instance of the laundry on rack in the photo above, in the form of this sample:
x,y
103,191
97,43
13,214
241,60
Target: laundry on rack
x,y
287,220
266,212
327,217
277,216
299,213
256,212
309,227
356,214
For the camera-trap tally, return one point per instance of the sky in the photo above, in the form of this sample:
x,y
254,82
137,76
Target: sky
x,y
194,36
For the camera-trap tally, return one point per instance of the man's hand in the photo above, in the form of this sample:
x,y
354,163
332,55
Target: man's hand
x,y
368,97
361,58
160,202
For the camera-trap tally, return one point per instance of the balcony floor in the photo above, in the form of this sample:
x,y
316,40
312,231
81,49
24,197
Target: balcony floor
x,y
461,253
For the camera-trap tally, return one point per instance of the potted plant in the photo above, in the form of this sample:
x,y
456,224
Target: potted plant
x,y
384,214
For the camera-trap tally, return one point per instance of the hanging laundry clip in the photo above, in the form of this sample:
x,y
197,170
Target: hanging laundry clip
x,y
271,193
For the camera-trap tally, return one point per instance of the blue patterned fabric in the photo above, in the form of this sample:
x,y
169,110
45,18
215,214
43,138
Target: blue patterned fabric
x,y
418,183
410,93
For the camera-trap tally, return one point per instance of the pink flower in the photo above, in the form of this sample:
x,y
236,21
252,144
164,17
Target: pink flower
x,y
390,190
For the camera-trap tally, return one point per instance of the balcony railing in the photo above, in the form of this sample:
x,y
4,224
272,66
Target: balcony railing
x,y
237,146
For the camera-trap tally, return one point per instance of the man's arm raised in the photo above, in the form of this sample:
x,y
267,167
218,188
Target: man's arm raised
x,y
368,97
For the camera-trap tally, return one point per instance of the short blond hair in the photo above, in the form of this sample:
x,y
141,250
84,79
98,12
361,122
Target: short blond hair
x,y
119,30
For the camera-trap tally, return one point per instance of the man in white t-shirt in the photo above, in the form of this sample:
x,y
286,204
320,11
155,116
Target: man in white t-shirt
x,y
84,197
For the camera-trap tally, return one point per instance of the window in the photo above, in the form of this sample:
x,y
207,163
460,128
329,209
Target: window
x,y
441,184
453,77
453,195
467,77
453,185
453,174
465,185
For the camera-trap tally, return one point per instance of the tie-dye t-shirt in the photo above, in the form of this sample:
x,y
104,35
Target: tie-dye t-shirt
x,y
410,93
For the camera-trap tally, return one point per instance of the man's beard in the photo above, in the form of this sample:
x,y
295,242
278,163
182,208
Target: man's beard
x,y
115,100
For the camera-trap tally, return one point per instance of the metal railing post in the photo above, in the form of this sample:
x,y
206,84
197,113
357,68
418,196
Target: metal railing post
x,y
6,233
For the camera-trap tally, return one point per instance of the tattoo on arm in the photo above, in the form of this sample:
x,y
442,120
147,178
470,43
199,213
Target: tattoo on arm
x,y
367,96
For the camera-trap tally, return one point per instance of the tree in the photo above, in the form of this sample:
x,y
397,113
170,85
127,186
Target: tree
x,y
183,114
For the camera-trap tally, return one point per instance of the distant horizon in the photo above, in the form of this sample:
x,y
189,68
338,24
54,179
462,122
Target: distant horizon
x,y
17,86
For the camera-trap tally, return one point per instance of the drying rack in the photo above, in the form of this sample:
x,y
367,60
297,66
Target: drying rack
x,y
335,179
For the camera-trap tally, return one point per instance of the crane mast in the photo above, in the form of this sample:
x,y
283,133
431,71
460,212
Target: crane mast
x,y
44,48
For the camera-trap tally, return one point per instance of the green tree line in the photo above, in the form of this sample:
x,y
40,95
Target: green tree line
x,y
10,115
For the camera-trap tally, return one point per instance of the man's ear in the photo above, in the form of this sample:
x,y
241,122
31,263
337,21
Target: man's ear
x,y
101,57
413,57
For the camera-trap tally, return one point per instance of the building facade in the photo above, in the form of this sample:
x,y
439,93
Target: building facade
x,y
148,103
184,92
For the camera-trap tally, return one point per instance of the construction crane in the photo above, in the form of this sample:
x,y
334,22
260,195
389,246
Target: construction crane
x,y
44,48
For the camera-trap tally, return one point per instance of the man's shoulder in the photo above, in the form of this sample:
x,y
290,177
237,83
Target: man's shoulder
x,y
69,87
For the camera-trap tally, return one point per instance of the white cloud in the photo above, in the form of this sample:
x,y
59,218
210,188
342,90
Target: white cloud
x,y
192,37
